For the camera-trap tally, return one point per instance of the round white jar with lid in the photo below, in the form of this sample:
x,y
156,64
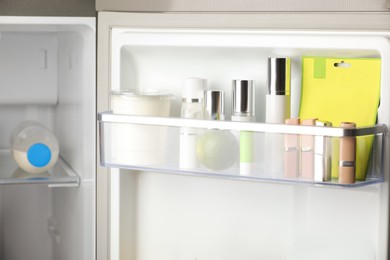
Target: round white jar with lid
x,y
139,144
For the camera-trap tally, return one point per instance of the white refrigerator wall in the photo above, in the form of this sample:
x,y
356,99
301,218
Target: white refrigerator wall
x,y
48,75
162,216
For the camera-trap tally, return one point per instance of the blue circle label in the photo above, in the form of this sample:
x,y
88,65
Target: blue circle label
x,y
39,155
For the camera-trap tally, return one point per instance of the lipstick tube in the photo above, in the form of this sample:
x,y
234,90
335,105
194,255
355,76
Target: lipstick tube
x,y
291,151
322,155
347,156
307,152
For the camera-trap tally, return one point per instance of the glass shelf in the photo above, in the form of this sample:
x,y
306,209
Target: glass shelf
x,y
153,144
61,175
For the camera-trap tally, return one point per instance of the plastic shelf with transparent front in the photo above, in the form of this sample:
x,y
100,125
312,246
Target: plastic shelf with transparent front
x,y
60,175
345,157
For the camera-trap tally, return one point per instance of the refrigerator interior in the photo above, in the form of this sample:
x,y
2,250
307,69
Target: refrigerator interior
x,y
47,70
194,217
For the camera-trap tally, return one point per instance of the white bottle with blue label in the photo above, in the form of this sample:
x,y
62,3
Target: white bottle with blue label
x,y
34,148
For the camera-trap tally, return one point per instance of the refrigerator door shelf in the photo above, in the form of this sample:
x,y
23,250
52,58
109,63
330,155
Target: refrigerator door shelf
x,y
61,175
152,144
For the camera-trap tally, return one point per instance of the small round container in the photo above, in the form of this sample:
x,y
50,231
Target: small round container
x,y
139,144
34,148
148,102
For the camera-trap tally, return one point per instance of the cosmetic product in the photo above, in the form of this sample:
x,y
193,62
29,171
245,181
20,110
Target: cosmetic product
x,y
243,95
291,151
307,152
337,89
216,149
214,105
278,87
347,156
140,144
322,155
277,111
192,108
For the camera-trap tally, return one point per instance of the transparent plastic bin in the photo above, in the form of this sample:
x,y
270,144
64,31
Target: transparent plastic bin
x,y
254,136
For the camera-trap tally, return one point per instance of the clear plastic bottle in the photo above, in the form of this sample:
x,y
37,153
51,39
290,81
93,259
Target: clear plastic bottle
x,y
34,148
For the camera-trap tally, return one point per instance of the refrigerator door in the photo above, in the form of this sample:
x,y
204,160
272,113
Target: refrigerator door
x,y
153,214
242,6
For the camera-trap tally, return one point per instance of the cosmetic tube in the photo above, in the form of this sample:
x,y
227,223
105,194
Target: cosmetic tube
x,y
322,155
278,87
277,111
216,149
192,108
243,94
347,156
291,151
214,105
307,152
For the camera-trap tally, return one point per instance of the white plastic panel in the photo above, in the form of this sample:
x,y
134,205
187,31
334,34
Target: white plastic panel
x,y
188,218
28,68
162,58
183,217
74,124
25,212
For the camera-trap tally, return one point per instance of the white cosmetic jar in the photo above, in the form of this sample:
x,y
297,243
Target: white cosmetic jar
x,y
137,144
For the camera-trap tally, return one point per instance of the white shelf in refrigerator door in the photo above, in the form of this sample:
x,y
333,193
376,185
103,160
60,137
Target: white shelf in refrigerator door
x,y
61,175
124,139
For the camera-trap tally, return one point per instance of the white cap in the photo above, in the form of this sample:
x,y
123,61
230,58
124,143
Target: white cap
x,y
193,89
